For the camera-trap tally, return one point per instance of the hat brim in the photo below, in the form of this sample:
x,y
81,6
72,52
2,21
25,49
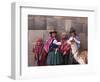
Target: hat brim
x,y
52,32
73,31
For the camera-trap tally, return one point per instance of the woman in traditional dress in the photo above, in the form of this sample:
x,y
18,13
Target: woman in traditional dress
x,y
65,48
52,48
38,51
74,41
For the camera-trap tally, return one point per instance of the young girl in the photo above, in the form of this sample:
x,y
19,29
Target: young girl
x,y
38,51
51,47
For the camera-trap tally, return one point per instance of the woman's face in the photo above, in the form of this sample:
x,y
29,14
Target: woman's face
x,y
53,35
63,36
73,34
39,42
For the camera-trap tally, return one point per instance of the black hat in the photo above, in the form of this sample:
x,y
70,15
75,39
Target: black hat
x,y
53,32
72,30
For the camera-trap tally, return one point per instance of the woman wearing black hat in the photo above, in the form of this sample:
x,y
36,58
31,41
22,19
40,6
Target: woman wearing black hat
x,y
51,46
74,41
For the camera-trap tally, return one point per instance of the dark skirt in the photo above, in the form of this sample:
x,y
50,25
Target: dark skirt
x,y
54,59
72,59
66,60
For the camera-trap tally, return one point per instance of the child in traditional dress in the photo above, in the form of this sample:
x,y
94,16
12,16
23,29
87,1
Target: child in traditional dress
x,y
52,46
38,51
65,48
